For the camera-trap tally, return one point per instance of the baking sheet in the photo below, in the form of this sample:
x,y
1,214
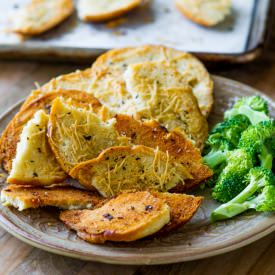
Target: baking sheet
x,y
158,22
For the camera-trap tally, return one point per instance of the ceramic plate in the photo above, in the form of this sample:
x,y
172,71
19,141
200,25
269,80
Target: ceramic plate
x,y
198,239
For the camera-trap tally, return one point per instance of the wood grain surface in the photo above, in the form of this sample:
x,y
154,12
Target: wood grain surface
x,y
16,80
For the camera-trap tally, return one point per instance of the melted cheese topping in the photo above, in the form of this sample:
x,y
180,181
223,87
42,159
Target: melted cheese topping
x,y
130,168
160,93
34,161
78,135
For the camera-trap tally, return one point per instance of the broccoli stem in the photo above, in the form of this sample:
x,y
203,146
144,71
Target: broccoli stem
x,y
228,210
214,158
266,158
255,117
236,206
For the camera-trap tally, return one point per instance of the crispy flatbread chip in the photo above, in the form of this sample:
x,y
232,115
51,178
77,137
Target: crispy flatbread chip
x,y
35,163
35,102
205,12
70,198
175,109
108,83
152,134
77,135
127,218
160,92
143,79
103,10
41,15
182,208
136,168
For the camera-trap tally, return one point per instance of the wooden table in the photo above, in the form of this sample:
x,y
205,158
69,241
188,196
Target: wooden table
x,y
16,257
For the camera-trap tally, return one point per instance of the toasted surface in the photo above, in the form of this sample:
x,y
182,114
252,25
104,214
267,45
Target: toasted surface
x,y
136,168
152,134
182,209
205,12
175,109
128,217
142,79
35,102
108,74
96,11
160,92
34,163
61,197
41,15
78,80
77,135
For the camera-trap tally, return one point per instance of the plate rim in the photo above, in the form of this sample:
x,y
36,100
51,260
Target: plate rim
x,y
141,259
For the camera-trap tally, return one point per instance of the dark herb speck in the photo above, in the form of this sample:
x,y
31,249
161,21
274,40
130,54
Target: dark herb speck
x,y
148,207
87,137
108,216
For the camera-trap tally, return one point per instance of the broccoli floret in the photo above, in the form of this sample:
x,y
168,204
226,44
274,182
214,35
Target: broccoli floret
x,y
228,186
270,146
259,194
231,129
259,141
216,148
254,107
224,137
231,180
216,173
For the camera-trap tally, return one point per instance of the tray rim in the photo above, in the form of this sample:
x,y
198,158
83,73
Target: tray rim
x,y
122,258
84,55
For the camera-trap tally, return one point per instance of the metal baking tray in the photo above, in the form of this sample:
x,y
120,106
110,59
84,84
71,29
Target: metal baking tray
x,y
239,38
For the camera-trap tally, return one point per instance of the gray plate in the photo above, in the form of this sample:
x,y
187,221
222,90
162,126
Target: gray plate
x,y
198,239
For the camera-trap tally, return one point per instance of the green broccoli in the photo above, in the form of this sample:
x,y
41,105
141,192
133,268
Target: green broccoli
x,y
224,137
216,173
216,148
254,107
259,141
259,194
231,129
231,180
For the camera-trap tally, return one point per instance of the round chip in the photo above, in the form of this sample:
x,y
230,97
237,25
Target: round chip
x,y
128,217
205,12
134,168
41,15
109,86
103,10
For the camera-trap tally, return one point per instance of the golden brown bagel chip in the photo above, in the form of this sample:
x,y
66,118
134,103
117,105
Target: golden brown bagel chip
x,y
182,209
62,197
77,135
152,134
205,12
136,168
109,86
35,102
35,163
128,217
41,15
103,10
